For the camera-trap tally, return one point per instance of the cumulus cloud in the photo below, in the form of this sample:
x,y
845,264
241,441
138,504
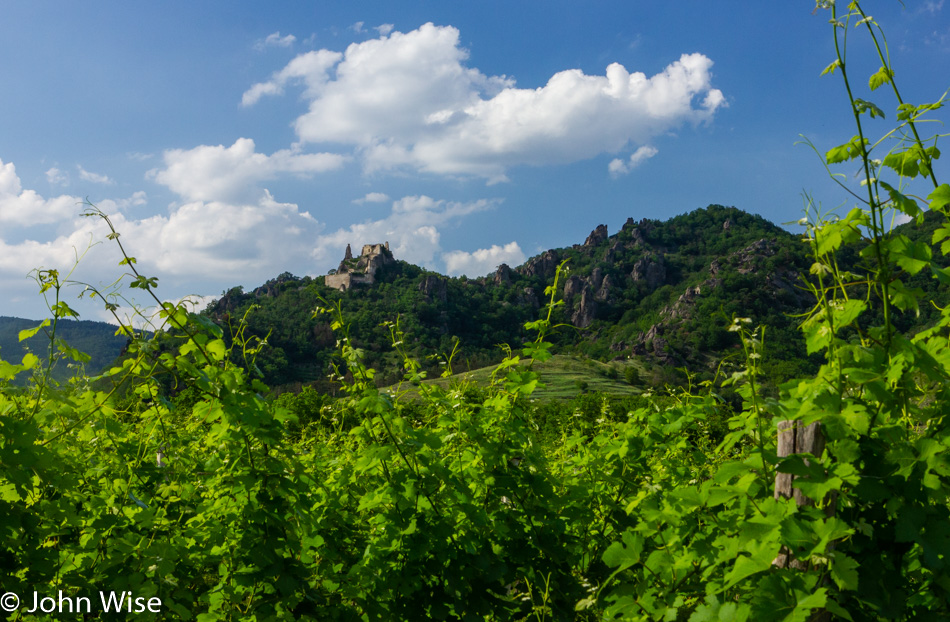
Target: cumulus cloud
x,y
407,100
483,260
230,174
618,167
384,29
205,240
27,207
237,240
310,69
274,40
198,240
411,228
94,177
372,197
206,237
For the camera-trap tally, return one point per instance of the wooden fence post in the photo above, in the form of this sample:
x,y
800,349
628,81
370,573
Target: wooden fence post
x,y
795,438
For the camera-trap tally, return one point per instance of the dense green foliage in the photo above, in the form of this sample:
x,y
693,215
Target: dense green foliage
x,y
473,502
96,339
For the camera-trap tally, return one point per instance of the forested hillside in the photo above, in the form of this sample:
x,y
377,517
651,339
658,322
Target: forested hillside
x,y
663,292
96,339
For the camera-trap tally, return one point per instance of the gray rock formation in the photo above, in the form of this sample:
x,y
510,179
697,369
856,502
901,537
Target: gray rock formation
x,y
434,287
502,275
543,265
605,291
573,286
584,315
596,236
650,269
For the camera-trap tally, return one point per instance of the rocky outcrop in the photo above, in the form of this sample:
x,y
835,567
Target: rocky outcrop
x,y
272,287
596,278
747,259
639,232
654,343
779,285
683,305
651,270
502,275
530,297
434,287
573,286
596,236
613,252
605,291
544,265
586,311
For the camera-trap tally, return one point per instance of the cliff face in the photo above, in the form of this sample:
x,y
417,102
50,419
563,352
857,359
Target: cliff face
x,y
360,271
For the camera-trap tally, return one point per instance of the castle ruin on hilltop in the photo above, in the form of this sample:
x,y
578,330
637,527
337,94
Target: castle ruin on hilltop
x,y
361,270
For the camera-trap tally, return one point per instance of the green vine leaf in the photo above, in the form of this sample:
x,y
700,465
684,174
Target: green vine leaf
x,y
848,151
939,198
29,332
831,67
862,106
879,78
912,161
909,255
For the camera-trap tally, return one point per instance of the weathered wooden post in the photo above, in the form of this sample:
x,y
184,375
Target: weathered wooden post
x,y
795,438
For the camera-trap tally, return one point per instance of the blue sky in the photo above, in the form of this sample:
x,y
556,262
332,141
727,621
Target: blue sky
x,y
233,141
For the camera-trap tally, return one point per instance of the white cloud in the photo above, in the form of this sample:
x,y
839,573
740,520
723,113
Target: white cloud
x,y
230,174
27,207
310,69
274,40
372,197
899,218
618,167
406,100
242,241
412,229
57,177
148,316
483,260
200,240
357,27
384,29
94,177
204,240
137,199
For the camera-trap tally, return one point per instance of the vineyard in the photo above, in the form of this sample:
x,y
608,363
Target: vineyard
x,y
464,500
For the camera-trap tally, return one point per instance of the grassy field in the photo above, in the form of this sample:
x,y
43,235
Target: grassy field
x,y
565,377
